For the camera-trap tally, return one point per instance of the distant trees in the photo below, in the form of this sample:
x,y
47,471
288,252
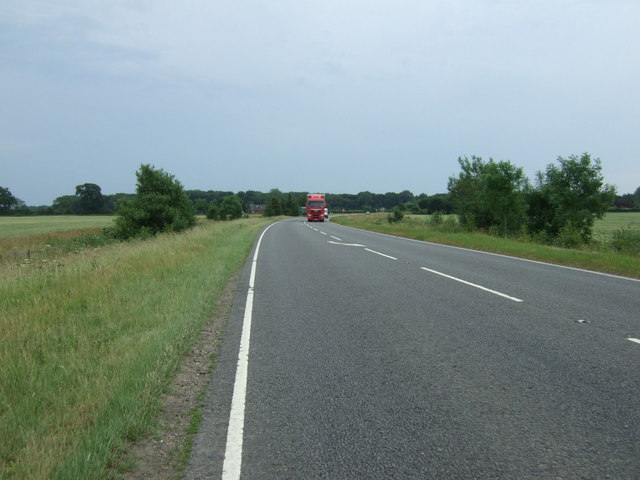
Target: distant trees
x,y
280,204
230,208
90,199
7,201
160,205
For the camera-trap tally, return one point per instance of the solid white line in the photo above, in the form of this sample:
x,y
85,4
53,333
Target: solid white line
x,y
233,452
472,284
637,340
336,238
381,254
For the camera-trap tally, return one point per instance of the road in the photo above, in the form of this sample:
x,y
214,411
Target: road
x,y
372,356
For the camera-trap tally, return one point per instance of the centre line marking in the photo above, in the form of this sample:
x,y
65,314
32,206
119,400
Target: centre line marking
x,y
637,340
233,452
346,244
381,254
336,238
472,284
324,233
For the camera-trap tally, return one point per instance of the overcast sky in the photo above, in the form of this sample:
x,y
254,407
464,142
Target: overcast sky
x,y
335,96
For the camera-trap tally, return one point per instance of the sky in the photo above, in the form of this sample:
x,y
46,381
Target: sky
x,y
330,96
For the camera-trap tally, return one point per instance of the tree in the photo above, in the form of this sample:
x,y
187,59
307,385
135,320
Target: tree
x,y
231,208
439,202
7,201
569,197
489,195
274,207
65,205
160,205
90,199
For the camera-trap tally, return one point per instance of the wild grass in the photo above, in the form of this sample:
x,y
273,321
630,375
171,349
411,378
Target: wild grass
x,y
90,342
422,228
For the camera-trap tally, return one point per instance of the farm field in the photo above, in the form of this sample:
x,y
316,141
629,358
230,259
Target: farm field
x,y
21,226
616,220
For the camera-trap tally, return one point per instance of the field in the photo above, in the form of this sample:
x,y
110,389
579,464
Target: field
x,y
90,341
615,221
20,226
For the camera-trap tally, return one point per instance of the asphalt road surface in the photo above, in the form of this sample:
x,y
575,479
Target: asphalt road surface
x,y
375,357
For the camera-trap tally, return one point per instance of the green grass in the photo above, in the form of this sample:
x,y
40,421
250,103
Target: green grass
x,y
616,220
90,342
20,226
417,227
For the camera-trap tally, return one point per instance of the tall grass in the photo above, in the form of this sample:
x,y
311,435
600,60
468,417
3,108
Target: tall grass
x,y
88,344
446,232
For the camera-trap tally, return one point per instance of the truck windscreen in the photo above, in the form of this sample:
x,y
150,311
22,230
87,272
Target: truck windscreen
x,y
316,204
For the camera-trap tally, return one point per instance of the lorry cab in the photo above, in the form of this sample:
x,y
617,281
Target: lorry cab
x,y
316,207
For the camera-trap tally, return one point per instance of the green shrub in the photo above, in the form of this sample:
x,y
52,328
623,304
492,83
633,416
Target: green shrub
x,y
160,205
396,215
626,241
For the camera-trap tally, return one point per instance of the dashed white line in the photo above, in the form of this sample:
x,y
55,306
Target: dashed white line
x,y
381,254
472,284
233,452
336,238
324,233
636,340
346,244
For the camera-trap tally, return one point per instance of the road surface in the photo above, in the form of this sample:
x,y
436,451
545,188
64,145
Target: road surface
x,y
370,356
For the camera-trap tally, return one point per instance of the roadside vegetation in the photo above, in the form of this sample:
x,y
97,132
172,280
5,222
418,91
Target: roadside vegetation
x,y
91,340
97,311
601,254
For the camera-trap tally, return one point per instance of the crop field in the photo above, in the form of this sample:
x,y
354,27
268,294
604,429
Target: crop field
x,y
20,226
616,220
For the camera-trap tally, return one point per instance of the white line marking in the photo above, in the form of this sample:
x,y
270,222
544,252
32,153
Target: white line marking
x,y
233,452
637,340
619,277
324,233
381,254
346,244
336,238
472,284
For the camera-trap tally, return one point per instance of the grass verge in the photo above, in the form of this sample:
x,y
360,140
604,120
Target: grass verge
x,y
89,344
419,229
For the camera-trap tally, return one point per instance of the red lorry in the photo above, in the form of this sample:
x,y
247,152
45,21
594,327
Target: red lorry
x,y
316,207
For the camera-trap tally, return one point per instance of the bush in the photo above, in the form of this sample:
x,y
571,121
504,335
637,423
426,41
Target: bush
x,y
436,219
570,236
626,241
396,215
160,205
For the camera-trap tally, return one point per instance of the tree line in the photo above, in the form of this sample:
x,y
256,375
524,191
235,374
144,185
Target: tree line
x,y
564,200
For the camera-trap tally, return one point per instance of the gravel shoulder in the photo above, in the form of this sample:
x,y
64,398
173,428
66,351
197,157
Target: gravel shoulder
x,y
159,455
